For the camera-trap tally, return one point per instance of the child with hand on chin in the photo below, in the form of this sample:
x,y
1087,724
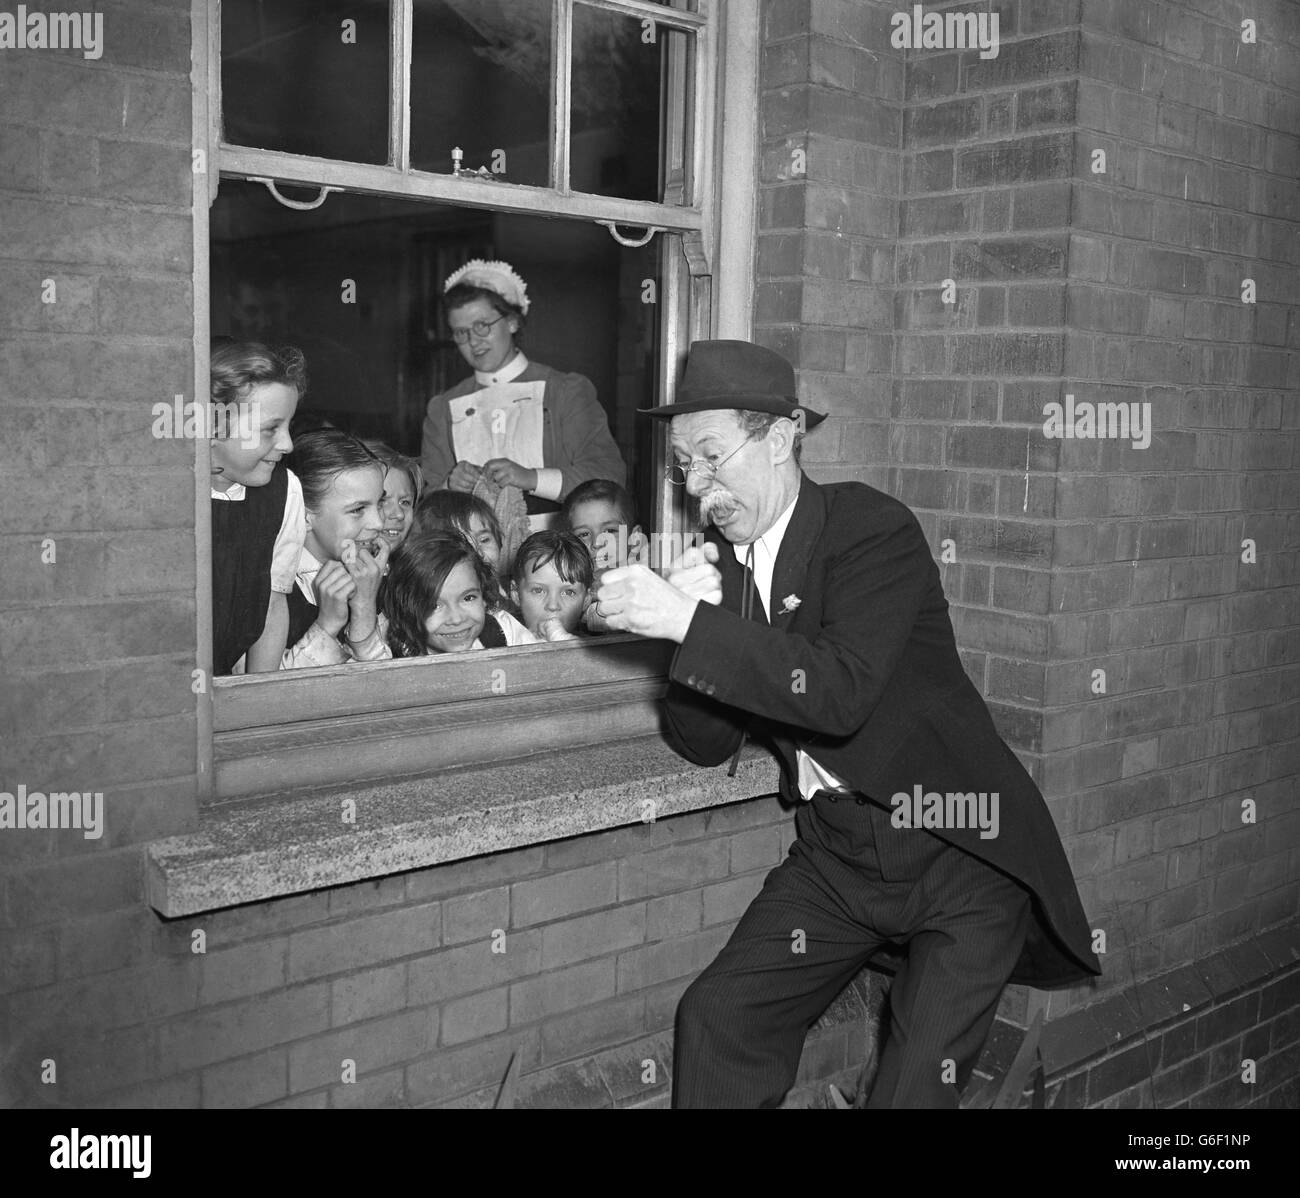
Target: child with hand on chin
x,y
334,610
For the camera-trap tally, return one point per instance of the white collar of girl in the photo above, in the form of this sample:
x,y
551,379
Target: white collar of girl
x,y
308,568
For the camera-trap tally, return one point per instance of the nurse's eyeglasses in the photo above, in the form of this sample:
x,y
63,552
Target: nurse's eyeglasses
x,y
480,328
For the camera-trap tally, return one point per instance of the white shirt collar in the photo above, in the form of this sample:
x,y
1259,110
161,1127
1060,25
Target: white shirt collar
x,y
235,492
308,568
766,548
509,372
771,540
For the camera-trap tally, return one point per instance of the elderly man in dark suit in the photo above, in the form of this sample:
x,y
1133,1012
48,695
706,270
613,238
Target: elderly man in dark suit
x,y
814,617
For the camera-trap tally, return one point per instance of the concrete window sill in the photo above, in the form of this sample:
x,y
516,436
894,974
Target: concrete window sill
x,y
284,844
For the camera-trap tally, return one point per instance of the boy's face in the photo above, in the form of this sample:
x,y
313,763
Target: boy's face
x,y
489,549
271,405
349,510
596,523
398,505
454,625
542,595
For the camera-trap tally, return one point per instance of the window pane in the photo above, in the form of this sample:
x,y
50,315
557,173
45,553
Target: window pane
x,y
286,277
306,76
481,80
628,101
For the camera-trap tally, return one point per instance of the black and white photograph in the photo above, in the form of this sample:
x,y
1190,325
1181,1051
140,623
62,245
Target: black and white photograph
x,y
650,554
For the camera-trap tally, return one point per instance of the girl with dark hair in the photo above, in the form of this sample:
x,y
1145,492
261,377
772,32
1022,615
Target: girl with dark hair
x,y
258,522
333,610
455,511
440,596
514,423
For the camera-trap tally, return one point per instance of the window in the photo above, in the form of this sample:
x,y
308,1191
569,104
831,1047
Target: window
x,y
359,151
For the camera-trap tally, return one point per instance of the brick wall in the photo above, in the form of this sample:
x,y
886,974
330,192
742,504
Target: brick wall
x,y
98,588
572,955
831,116
981,334
1200,716
1071,556
1074,556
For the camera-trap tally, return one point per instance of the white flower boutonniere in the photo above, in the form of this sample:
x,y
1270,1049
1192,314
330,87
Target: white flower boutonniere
x,y
789,603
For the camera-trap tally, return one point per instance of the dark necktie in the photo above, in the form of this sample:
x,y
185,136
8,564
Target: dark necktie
x,y
751,587
747,596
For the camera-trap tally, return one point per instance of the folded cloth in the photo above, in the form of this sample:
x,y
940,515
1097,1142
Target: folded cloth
x,y
512,514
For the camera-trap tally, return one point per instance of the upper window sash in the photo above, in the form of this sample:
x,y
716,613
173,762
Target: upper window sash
x,y
689,92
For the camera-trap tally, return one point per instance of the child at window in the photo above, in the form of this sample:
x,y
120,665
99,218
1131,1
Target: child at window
x,y
457,511
551,583
441,596
403,482
257,507
333,609
600,513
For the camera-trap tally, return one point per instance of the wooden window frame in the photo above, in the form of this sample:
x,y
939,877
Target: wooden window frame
x,y
375,720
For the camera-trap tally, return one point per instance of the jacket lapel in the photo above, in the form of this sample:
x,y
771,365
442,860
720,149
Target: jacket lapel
x,y
801,536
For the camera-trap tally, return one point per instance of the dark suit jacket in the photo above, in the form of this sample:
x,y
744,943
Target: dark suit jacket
x,y
884,701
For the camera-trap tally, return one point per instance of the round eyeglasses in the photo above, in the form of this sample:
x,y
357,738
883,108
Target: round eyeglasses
x,y
480,328
678,474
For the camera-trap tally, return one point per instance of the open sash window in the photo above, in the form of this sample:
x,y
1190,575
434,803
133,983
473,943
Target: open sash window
x,y
357,152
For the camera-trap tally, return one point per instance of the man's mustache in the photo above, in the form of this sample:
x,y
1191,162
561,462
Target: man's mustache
x,y
712,500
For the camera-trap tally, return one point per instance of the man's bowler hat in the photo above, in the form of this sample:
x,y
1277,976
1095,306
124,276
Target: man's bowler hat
x,y
736,376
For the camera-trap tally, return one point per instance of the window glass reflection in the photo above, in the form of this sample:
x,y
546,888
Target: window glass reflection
x,y
306,77
627,111
481,82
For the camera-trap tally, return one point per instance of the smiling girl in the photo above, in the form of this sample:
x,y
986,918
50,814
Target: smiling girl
x,y
441,596
333,610
257,506
403,483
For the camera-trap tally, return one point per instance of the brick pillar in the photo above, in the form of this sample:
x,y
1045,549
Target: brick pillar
x,y
982,261
828,215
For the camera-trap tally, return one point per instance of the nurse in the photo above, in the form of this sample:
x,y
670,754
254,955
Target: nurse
x,y
514,422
